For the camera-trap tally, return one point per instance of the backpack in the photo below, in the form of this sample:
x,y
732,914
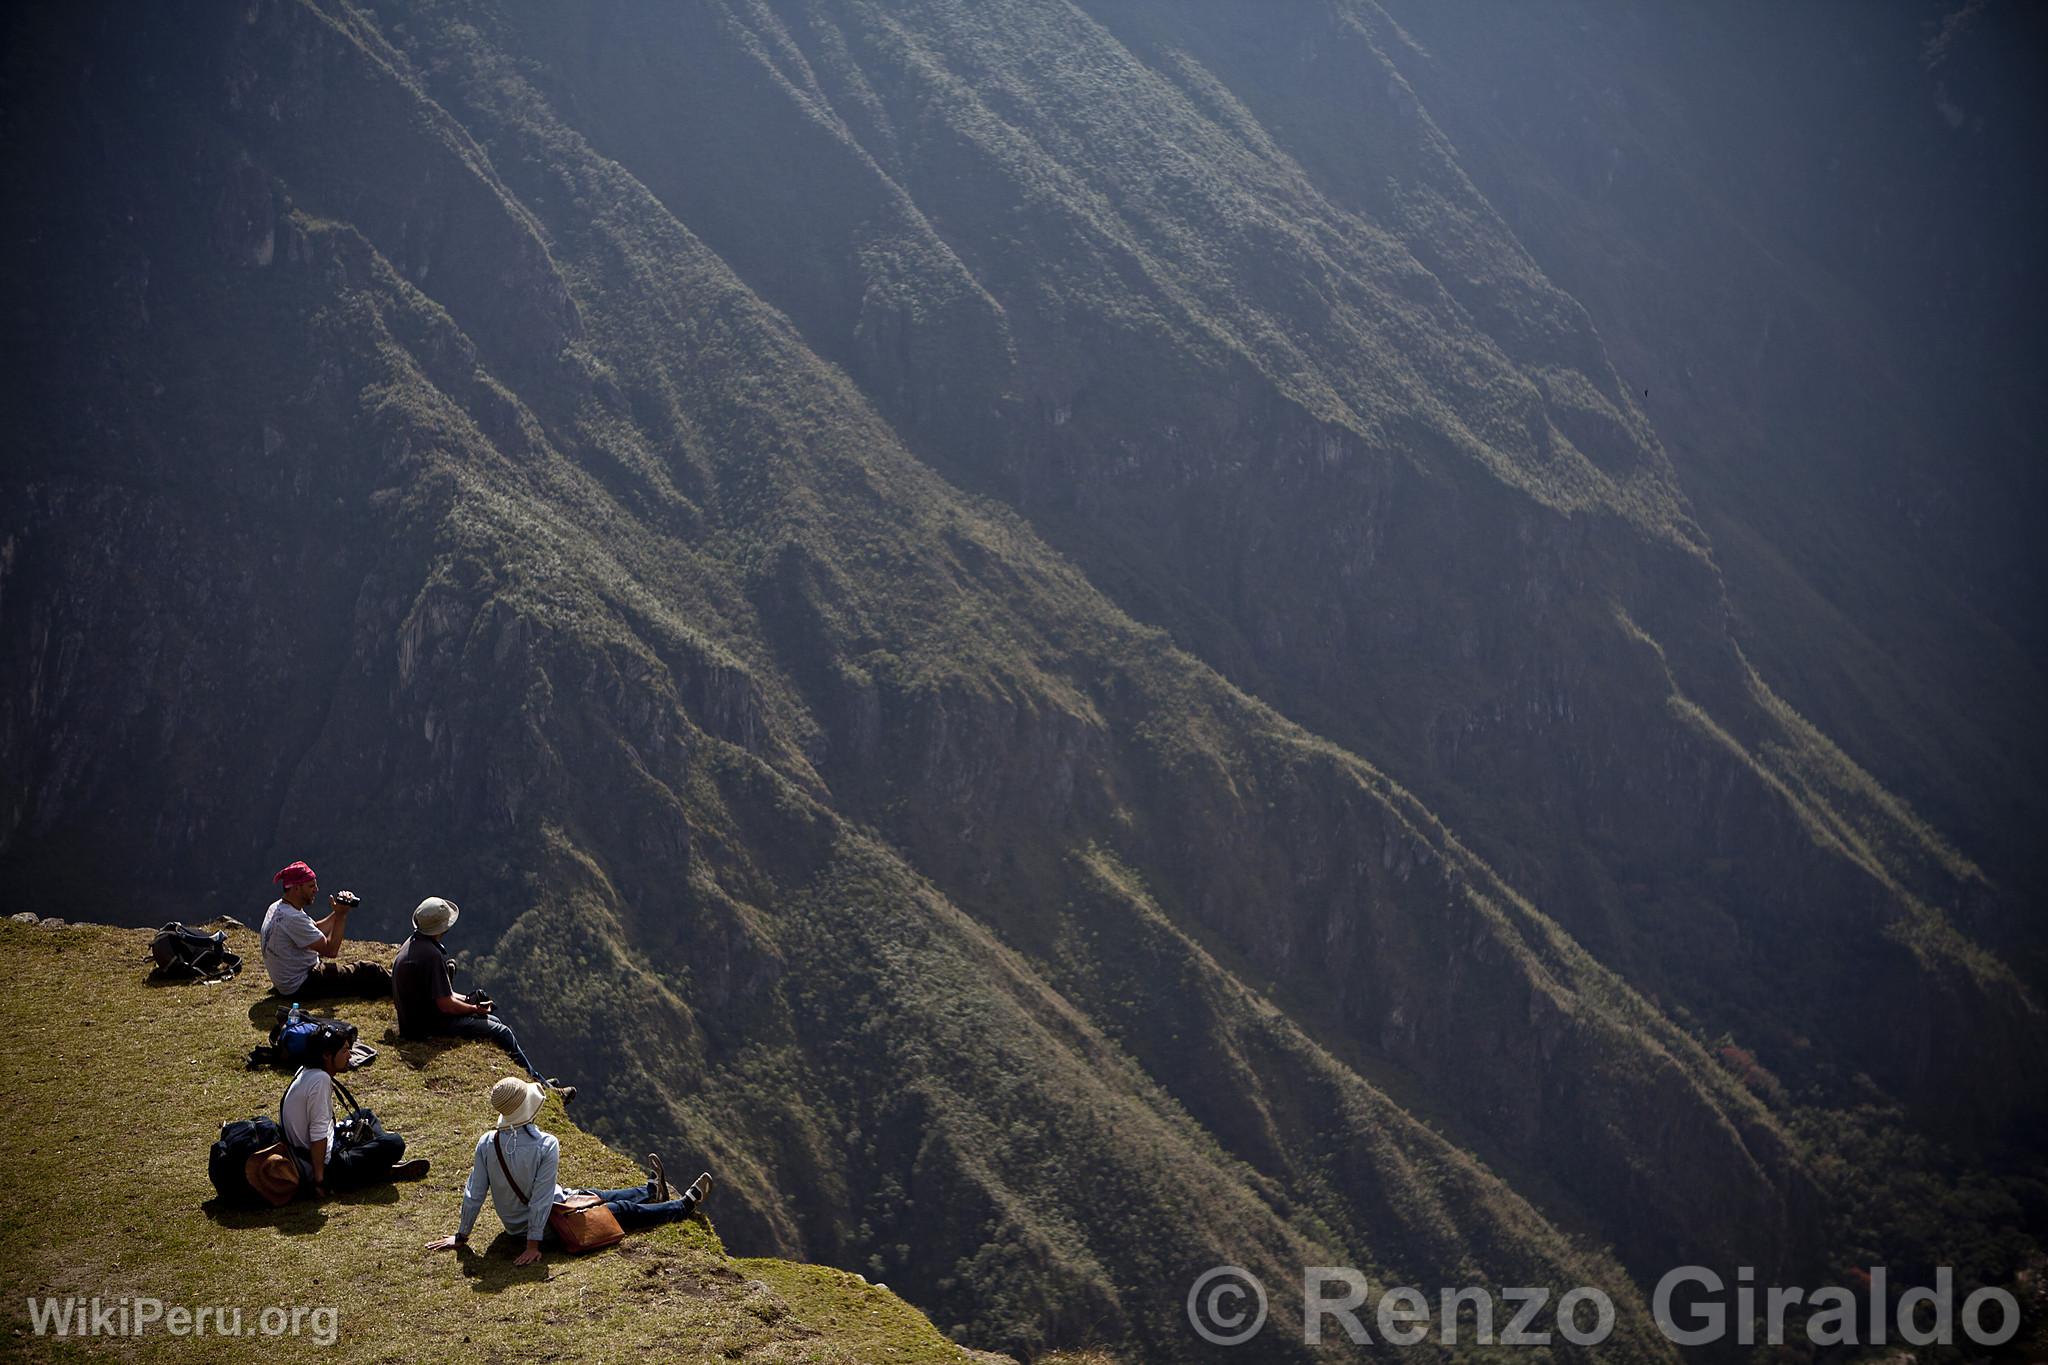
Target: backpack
x,y
242,1142
228,1163
184,954
291,1041
295,1030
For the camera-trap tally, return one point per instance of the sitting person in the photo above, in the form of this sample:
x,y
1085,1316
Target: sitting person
x,y
516,1165
428,1004
307,1116
299,951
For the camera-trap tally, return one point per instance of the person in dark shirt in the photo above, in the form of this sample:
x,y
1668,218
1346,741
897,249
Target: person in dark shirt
x,y
429,1005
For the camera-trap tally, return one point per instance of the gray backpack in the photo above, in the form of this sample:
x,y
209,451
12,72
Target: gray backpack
x,y
183,954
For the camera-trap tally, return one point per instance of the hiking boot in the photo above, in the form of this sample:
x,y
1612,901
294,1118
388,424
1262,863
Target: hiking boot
x,y
661,1191
416,1169
700,1187
567,1092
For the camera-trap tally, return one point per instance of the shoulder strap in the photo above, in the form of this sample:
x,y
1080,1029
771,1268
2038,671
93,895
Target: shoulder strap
x,y
280,1108
499,1148
353,1106
337,1085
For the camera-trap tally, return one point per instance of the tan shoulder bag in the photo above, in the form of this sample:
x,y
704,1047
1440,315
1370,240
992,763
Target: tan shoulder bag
x,y
582,1222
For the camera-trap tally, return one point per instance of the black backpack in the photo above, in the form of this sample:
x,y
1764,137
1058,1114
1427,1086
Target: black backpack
x,y
191,955
227,1164
239,1140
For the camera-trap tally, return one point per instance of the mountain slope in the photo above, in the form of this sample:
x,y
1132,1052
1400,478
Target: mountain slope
x,y
1824,302
1311,405
526,453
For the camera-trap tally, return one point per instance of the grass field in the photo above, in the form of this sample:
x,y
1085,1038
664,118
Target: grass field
x,y
113,1089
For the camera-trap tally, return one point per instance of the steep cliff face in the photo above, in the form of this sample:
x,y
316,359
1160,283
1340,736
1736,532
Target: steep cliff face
x,y
705,488
1241,335
1823,302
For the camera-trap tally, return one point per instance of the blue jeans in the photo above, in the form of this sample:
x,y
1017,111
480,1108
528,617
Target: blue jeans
x,y
637,1207
490,1028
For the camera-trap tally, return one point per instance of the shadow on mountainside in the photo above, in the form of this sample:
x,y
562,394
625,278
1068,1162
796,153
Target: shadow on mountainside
x,y
155,982
263,1014
491,1271
418,1053
296,1219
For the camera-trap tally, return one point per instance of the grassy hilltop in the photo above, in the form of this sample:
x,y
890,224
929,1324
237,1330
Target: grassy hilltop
x,y
114,1089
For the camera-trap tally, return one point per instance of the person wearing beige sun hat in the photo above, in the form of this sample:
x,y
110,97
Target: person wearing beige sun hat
x,y
429,1005
516,1164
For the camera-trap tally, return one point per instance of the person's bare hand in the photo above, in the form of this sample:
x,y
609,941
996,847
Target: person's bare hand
x,y
444,1244
527,1257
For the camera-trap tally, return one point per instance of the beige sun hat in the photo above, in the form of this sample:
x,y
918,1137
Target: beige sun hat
x,y
433,915
516,1101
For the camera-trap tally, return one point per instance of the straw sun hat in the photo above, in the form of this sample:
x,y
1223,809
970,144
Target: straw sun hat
x,y
516,1101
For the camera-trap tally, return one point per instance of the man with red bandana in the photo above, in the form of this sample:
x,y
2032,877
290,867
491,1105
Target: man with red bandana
x,y
300,952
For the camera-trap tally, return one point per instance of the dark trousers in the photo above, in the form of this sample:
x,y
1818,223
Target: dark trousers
x,y
370,1164
490,1028
331,980
637,1207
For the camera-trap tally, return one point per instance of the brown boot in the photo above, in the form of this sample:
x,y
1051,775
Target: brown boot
x,y
416,1169
661,1194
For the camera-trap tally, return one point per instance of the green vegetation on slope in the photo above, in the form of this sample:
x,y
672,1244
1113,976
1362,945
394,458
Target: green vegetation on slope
x,y
463,490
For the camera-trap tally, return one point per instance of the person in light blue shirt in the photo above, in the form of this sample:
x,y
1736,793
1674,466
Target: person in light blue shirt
x,y
516,1166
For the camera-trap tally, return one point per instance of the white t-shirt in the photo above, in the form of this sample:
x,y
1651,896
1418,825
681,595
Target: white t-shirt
x,y
290,946
309,1108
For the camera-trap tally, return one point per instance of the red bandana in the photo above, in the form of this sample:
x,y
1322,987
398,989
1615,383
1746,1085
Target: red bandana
x,y
298,874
